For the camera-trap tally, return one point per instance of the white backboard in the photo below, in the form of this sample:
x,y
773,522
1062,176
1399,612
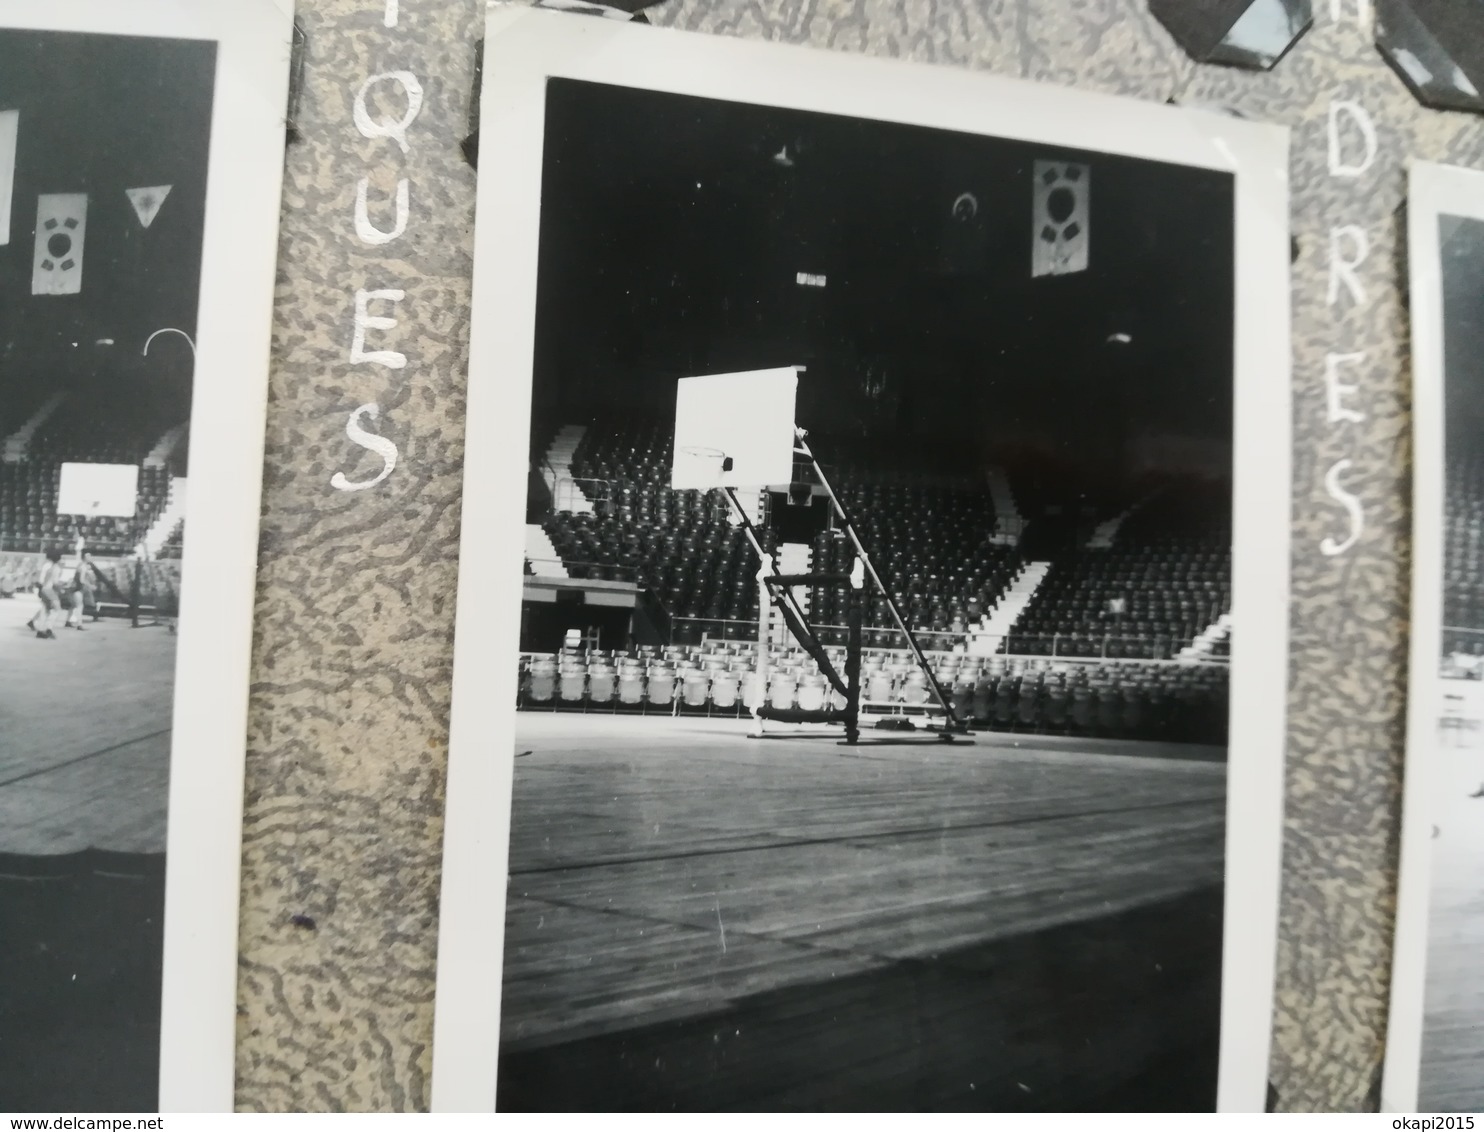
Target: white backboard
x,y
98,489
747,418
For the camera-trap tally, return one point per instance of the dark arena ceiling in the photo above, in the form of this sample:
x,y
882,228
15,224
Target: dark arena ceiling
x,y
674,230
99,115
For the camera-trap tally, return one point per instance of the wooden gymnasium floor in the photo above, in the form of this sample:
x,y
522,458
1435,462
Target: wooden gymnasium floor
x,y
84,772
84,735
696,919
1452,1071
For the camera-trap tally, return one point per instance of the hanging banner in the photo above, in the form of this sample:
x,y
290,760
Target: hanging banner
x,y
61,222
9,124
147,202
1059,218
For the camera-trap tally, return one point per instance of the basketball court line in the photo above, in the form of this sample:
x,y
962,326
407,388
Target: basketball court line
x,y
37,772
86,725
857,838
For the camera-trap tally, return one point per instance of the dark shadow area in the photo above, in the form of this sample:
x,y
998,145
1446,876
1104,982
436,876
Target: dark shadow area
x,y
81,937
1117,1014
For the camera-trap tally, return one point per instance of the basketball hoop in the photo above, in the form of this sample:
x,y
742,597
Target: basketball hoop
x,y
715,458
734,429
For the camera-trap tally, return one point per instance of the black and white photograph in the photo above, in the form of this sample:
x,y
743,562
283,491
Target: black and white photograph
x,y
106,151
1436,1040
868,718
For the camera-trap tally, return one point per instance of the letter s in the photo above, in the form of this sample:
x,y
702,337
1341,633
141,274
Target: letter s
x,y
369,440
1328,546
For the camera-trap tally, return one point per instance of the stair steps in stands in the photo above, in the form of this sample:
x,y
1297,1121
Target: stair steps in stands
x,y
165,447
542,554
566,493
1206,641
1106,531
13,448
169,517
999,621
1008,520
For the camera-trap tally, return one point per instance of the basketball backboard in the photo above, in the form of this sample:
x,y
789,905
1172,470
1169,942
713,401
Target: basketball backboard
x,y
98,489
734,429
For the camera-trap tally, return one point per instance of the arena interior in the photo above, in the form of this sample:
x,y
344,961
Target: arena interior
x,y
1039,467
85,715
1453,1033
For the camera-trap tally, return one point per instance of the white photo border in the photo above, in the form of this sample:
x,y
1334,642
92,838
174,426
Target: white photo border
x,y
523,48
203,861
1433,191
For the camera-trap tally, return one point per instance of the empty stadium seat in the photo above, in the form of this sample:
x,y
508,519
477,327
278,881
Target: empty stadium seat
x,y
1463,558
542,683
1116,699
928,535
119,429
1165,579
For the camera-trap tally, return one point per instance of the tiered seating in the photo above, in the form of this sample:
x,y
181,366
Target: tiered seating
x,y
1463,558
928,538
171,547
18,401
154,494
1166,578
677,544
930,546
29,519
1172,702
91,433
631,454
700,566
84,430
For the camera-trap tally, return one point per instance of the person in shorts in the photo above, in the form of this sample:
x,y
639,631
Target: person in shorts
x,y
79,593
46,590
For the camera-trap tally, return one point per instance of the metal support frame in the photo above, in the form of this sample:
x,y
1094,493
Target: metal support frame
x,y
952,721
775,589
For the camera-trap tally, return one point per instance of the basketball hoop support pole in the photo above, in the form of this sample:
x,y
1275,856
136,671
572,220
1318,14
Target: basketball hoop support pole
x,y
767,565
952,721
764,624
776,588
784,596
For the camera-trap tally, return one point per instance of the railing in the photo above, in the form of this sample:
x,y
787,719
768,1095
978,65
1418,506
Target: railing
x,y
652,603
570,490
588,571
1066,646
1007,531
697,630
566,491
25,544
1107,646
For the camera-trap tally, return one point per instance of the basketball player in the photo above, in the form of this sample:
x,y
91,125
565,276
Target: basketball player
x,y
80,594
46,590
